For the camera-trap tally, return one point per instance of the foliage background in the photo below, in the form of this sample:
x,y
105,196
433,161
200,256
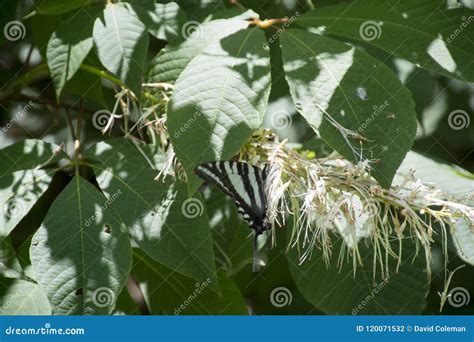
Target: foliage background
x,y
28,83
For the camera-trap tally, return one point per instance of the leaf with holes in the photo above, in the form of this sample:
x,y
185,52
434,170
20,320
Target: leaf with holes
x,y
356,103
423,32
170,227
121,41
81,254
219,100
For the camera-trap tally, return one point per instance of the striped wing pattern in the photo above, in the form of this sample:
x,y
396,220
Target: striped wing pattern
x,y
245,184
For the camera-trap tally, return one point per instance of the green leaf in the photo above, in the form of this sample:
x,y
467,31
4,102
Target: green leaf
x,y
450,180
19,297
9,265
171,61
19,192
334,290
155,211
169,293
219,100
121,42
348,97
81,254
28,154
164,21
54,7
234,248
69,45
423,32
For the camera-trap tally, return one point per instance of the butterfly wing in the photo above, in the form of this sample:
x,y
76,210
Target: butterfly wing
x,y
242,182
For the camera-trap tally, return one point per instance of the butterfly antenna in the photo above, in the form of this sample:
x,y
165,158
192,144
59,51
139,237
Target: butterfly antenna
x,y
256,256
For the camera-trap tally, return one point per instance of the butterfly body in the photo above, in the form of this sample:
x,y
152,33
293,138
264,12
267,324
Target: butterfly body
x,y
246,185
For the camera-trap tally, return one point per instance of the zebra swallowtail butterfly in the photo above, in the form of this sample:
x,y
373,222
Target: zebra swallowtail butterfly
x,y
245,184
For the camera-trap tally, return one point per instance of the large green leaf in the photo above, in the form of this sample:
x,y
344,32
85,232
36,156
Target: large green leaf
x,y
356,103
424,32
81,254
155,212
167,292
121,41
19,192
69,45
171,61
53,7
9,264
164,21
19,297
28,154
219,100
451,181
334,290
